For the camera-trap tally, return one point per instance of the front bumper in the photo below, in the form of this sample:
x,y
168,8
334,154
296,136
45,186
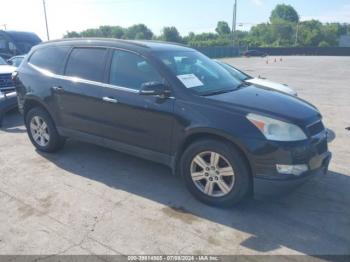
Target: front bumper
x,y
265,155
263,186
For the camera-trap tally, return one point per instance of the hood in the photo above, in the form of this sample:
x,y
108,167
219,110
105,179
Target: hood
x,y
7,69
272,85
252,99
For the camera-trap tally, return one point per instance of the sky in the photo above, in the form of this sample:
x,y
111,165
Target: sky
x,y
187,15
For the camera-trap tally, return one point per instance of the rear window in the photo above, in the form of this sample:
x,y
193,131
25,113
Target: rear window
x,y
50,58
87,63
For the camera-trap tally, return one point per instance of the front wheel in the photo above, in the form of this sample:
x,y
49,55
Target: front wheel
x,y
215,173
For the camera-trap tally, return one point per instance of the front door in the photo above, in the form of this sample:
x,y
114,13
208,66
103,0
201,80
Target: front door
x,y
142,121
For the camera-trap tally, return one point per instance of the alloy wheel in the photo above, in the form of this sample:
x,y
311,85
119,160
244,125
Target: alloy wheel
x,y
212,174
40,131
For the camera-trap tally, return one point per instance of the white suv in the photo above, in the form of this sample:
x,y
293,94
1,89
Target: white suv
x,y
8,99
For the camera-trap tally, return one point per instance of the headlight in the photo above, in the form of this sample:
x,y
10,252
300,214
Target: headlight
x,y
276,130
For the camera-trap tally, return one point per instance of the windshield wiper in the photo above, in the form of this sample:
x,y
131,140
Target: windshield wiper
x,y
243,84
218,92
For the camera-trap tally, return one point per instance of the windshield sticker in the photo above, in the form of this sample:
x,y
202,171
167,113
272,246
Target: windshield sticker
x,y
190,80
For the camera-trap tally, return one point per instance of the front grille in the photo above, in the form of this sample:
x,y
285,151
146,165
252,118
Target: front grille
x,y
316,128
6,83
301,154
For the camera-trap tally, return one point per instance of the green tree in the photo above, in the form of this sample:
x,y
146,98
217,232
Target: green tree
x,y
91,32
105,31
310,33
117,32
285,13
139,31
261,35
281,31
324,44
282,34
223,28
171,34
71,34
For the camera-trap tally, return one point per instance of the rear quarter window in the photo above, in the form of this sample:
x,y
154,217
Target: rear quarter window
x,y
87,63
50,58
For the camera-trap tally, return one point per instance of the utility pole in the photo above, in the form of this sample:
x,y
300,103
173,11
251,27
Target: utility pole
x,y
297,34
47,27
234,23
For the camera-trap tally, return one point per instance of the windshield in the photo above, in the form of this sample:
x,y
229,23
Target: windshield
x,y
199,73
17,61
235,72
2,61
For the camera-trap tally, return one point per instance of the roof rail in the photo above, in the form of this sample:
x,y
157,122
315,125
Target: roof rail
x,y
132,42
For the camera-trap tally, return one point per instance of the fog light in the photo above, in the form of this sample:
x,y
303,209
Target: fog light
x,y
295,170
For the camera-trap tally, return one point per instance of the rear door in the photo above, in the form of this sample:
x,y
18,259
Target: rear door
x,y
79,95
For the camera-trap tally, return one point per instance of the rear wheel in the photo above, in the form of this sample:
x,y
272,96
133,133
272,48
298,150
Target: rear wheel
x,y
42,131
215,173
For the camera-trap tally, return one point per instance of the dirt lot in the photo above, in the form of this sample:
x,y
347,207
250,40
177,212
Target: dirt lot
x,y
91,200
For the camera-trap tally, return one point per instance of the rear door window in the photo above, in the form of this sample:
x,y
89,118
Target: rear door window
x,y
50,58
87,63
131,70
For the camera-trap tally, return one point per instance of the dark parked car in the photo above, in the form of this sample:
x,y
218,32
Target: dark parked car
x,y
13,43
172,105
16,60
250,53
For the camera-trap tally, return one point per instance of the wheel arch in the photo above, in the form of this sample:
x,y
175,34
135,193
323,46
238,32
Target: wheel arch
x,y
31,102
200,134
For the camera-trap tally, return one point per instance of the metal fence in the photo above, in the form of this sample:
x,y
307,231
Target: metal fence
x,y
230,51
219,51
312,51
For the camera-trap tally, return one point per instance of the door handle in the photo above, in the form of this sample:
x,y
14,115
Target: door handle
x,y
110,100
57,88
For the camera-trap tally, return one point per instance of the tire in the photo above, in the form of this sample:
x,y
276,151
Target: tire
x,y
237,186
48,144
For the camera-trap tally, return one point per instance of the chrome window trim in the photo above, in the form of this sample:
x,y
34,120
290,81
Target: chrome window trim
x,y
81,80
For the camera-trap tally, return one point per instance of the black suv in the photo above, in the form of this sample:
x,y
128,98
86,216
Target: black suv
x,y
173,105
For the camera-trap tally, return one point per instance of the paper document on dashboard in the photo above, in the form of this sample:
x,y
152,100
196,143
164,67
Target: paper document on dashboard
x,y
190,80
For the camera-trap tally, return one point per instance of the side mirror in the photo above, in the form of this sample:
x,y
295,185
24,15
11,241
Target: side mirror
x,y
154,89
9,62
